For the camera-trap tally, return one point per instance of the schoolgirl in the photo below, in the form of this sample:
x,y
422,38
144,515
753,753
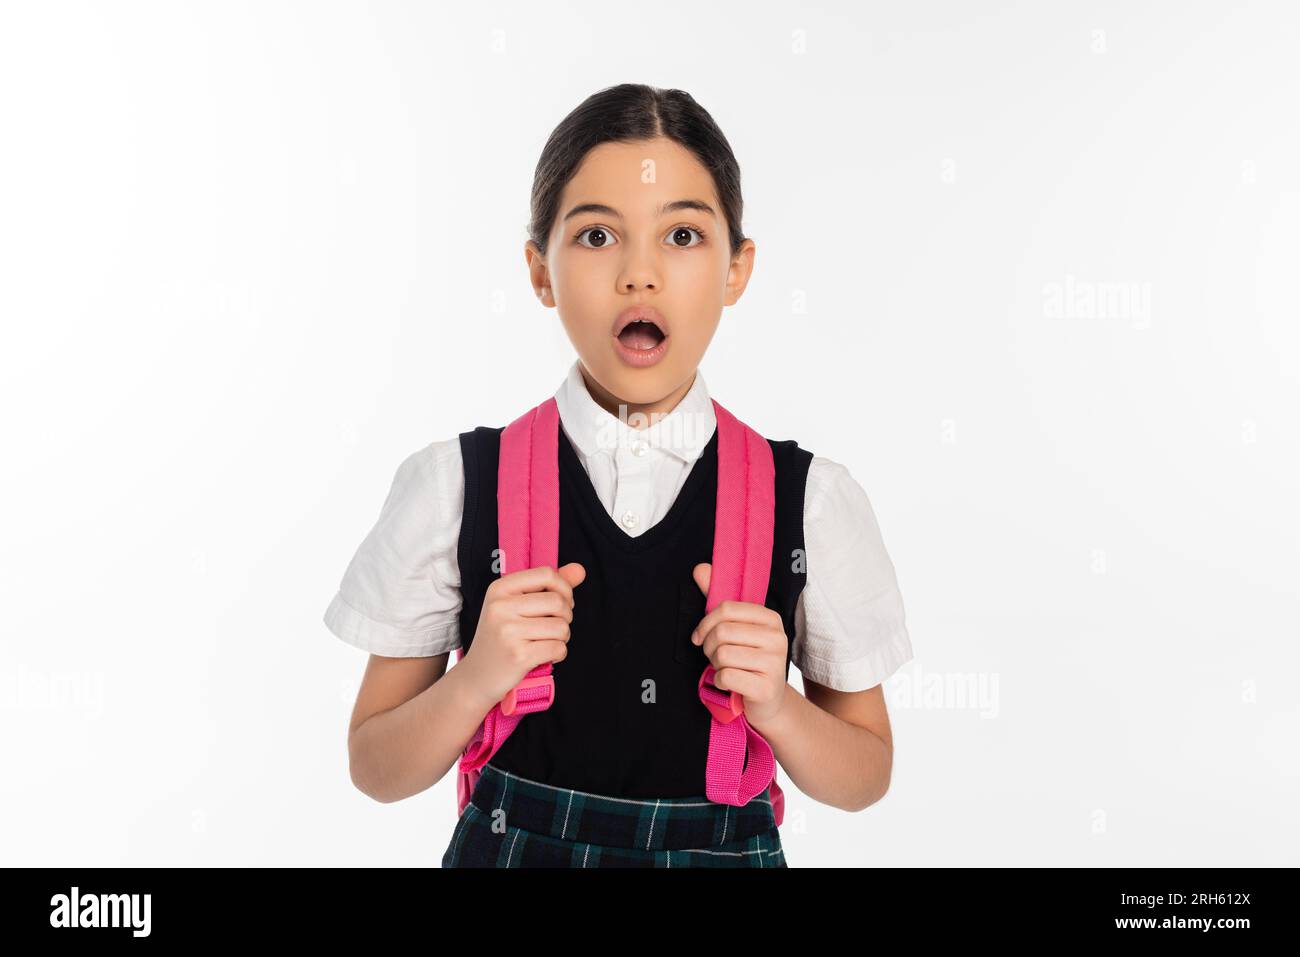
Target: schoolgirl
x,y
627,570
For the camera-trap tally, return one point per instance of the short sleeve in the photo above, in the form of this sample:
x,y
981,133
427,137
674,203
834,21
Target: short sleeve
x,y
400,595
850,629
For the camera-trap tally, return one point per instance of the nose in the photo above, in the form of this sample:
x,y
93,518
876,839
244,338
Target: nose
x,y
640,268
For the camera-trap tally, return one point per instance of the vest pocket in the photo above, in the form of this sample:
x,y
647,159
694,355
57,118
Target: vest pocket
x,y
690,611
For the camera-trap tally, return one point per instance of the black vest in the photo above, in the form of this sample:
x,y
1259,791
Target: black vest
x,y
626,720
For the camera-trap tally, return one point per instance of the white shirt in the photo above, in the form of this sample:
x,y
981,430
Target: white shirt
x,y
400,596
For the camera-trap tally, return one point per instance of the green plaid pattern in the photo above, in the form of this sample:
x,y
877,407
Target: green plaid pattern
x,y
512,821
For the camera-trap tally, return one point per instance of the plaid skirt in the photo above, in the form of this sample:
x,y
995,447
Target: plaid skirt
x,y
512,821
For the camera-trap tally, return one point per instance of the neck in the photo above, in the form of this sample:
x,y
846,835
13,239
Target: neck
x,y
649,412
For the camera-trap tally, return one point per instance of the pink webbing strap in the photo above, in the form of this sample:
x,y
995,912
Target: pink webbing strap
x,y
528,523
741,762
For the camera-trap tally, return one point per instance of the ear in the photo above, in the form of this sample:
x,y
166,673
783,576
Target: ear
x,y
538,274
738,273
703,573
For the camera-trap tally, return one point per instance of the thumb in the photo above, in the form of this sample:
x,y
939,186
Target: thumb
x,y
703,573
573,573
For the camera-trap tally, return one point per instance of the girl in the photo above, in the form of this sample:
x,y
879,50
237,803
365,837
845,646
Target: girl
x,y
636,240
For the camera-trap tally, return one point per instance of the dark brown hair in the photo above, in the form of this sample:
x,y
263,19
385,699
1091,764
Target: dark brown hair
x,y
626,113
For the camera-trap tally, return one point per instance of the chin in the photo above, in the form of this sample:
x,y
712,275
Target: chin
x,y
631,385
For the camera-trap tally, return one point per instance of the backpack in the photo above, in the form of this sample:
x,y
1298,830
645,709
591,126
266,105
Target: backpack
x,y
740,762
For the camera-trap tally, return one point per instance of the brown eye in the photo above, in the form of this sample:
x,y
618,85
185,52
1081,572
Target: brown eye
x,y
684,233
600,237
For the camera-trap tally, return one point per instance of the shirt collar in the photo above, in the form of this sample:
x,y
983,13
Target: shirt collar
x,y
683,432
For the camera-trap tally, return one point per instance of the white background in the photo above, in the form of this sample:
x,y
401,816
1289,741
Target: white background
x,y
253,255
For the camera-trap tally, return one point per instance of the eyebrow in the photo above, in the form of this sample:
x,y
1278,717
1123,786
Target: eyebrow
x,y
674,206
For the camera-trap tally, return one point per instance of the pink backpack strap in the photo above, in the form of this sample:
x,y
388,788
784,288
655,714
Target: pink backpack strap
x,y
741,763
528,523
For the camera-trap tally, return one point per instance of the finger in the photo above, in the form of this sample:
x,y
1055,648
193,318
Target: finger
x,y
540,578
741,656
540,604
733,611
703,573
538,629
573,573
544,651
748,684
742,634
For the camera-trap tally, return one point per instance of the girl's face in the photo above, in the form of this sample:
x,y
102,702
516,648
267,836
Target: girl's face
x,y
640,224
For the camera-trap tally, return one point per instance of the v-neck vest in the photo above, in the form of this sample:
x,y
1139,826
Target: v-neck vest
x,y
626,720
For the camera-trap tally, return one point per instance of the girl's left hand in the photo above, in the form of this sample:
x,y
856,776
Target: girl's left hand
x,y
746,644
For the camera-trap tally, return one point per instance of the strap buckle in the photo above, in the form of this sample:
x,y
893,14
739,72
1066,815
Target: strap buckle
x,y
724,705
510,702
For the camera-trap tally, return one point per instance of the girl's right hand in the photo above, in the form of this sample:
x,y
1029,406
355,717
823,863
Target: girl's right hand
x,y
524,623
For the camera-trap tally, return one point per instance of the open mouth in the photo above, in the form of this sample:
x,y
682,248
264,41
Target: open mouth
x,y
641,335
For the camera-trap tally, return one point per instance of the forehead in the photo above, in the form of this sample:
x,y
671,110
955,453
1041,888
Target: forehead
x,y
635,177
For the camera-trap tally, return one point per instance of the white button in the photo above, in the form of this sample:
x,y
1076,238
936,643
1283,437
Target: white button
x,y
629,519
639,449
